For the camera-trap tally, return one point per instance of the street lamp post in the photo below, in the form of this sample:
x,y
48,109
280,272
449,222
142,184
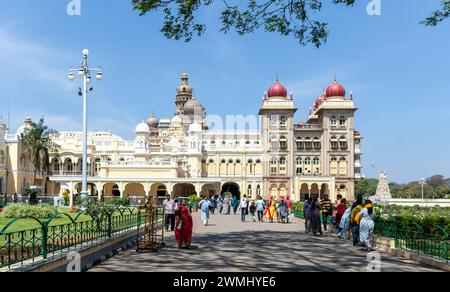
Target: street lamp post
x,y
85,71
422,183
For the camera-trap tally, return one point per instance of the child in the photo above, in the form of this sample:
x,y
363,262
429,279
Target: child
x,y
253,210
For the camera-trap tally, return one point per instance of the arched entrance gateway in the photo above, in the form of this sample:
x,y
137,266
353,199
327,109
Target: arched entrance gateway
x,y
184,190
231,187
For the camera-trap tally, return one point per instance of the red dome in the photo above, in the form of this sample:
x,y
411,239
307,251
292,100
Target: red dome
x,y
320,100
277,90
335,89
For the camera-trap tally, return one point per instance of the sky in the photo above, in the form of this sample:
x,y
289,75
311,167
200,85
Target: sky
x,y
397,69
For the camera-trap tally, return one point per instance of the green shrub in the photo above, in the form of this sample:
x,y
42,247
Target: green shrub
x,y
40,211
407,217
122,202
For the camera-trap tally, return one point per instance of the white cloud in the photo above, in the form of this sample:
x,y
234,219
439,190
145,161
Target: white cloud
x,y
24,60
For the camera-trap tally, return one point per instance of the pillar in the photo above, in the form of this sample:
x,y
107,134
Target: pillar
x,y
198,188
121,186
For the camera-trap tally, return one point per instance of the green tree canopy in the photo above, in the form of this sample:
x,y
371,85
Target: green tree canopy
x,y
366,187
287,17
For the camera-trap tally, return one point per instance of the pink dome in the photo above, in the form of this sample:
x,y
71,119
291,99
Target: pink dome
x,y
277,90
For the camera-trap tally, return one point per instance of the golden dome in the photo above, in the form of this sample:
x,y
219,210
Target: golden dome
x,y
184,88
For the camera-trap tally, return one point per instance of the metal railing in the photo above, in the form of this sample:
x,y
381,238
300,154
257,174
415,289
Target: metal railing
x,y
414,238
28,246
411,237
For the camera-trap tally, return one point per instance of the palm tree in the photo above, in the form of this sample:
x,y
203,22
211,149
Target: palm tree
x,y
37,142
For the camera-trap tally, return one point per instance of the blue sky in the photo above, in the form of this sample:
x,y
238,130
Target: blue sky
x,y
397,69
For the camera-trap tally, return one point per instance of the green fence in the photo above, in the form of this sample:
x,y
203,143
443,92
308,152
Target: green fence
x,y
411,237
18,247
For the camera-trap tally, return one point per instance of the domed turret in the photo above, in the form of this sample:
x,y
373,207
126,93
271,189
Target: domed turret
x,y
152,122
142,128
184,88
176,122
277,90
192,106
335,90
26,124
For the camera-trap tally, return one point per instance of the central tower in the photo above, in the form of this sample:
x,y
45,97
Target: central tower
x,y
184,93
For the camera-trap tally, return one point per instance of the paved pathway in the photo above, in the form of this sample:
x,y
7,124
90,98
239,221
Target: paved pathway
x,y
227,245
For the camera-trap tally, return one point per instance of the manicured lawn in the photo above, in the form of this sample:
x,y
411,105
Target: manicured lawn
x,y
26,224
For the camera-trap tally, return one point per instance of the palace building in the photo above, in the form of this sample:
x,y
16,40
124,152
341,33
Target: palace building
x,y
182,156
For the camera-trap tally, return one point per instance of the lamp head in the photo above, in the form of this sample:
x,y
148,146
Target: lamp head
x,y
85,52
99,76
71,76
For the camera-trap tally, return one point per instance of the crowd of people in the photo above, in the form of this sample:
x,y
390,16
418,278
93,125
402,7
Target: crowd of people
x,y
355,221
252,210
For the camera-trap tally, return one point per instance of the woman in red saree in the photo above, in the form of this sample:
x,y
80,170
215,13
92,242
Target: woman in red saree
x,y
183,230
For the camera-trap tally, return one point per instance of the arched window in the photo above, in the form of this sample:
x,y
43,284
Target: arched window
x,y
258,161
342,121
2,157
230,161
300,144
316,161
282,169
333,121
307,161
316,143
258,190
308,143
334,142
250,161
223,161
275,144
211,161
273,121
283,142
282,121
343,142
238,161
97,164
55,165
68,165
273,165
299,167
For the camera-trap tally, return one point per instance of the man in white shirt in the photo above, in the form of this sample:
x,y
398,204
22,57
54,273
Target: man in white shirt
x,y
169,211
243,205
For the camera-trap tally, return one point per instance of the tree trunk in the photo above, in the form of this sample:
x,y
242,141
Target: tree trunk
x,y
33,195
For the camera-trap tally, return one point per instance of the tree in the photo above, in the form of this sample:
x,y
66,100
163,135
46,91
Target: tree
x,y
37,142
439,15
287,17
366,187
436,181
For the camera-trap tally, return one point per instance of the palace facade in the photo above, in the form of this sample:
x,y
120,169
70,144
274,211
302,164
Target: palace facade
x,y
182,156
